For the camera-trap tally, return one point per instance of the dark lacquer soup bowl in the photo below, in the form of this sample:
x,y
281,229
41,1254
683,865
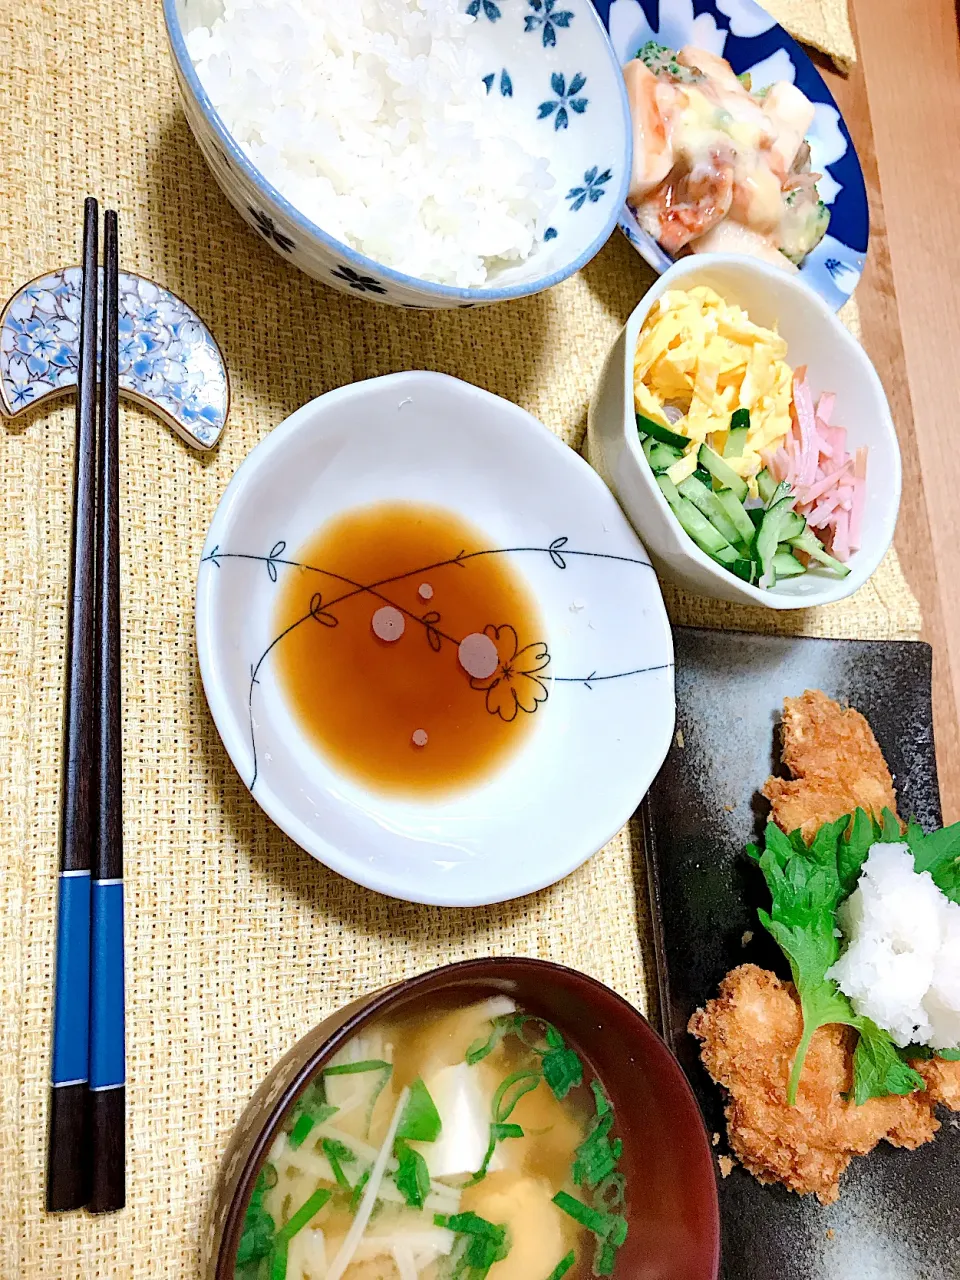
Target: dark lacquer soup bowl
x,y
671,1202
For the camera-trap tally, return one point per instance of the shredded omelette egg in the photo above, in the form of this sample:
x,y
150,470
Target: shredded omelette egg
x,y
705,358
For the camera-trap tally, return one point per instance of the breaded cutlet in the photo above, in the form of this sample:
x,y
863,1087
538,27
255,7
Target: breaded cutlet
x,y
836,766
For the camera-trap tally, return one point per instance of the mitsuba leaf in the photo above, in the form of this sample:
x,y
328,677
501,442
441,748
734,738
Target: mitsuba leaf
x,y
258,1226
412,1176
420,1121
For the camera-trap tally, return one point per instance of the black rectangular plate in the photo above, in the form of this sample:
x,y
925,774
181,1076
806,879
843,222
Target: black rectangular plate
x,y
898,1216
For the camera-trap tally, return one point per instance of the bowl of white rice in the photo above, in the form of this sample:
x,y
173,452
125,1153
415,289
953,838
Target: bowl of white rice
x,y
421,153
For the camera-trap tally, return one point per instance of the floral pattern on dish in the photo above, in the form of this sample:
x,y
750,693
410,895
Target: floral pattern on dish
x,y
566,96
546,19
167,355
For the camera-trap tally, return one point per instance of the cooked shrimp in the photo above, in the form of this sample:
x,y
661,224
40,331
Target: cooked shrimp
x,y
652,150
694,203
790,114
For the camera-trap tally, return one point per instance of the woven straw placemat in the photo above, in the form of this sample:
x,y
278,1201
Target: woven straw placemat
x,y
238,942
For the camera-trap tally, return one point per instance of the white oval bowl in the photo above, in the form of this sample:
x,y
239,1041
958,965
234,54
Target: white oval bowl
x,y
594,748
537,65
835,361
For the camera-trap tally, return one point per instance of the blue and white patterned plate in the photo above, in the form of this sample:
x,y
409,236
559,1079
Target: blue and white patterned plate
x,y
169,359
750,40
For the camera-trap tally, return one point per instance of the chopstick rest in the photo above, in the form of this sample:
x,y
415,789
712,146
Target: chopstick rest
x,y
169,361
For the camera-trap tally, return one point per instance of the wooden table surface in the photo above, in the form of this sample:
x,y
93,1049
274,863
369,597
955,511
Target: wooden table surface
x,y
902,105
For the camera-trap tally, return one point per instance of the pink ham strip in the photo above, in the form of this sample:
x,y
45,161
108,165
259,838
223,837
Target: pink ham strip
x,y
807,425
812,492
859,498
829,482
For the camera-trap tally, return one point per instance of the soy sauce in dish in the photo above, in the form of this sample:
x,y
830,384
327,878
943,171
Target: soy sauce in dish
x,y
416,655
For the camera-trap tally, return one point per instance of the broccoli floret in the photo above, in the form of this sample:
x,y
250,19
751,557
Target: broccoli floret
x,y
803,228
663,60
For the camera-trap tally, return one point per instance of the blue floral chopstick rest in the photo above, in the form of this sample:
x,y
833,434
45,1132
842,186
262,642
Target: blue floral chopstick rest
x,y
169,359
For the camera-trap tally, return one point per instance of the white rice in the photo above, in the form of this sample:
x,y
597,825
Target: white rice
x,y
371,117
901,966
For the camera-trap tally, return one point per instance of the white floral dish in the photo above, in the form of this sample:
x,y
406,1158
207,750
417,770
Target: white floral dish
x,y
751,40
605,704
835,362
551,59
169,360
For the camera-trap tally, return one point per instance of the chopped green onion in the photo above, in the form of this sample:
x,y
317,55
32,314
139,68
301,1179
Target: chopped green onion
x,y
616,1184
278,1261
335,1153
563,1266
301,1130
510,1091
420,1121
358,1190
488,1242
355,1068
562,1070
412,1176
596,1157
603,1102
481,1048
606,1258
609,1228
309,1209
497,1134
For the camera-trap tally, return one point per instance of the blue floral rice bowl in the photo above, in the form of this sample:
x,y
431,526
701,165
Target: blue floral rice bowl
x,y
541,84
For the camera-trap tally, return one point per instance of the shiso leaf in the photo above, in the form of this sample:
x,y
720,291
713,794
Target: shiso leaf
x,y
878,1068
938,853
807,885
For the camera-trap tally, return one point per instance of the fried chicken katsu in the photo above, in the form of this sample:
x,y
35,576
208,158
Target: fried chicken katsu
x,y
836,764
750,1033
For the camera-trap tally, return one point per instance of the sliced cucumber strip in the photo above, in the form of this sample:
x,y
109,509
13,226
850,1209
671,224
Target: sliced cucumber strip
x,y
756,515
661,433
727,477
707,502
736,442
737,514
811,544
786,565
660,456
745,569
769,537
740,420
696,524
792,528
782,491
704,476
765,486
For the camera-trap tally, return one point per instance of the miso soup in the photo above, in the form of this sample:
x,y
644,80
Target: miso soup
x,y
464,1143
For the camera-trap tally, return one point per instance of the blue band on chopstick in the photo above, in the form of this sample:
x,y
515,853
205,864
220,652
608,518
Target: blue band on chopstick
x,y
72,1004
106,991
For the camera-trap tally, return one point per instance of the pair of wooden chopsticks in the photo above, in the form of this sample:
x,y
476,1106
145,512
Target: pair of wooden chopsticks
x,y
86,1155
